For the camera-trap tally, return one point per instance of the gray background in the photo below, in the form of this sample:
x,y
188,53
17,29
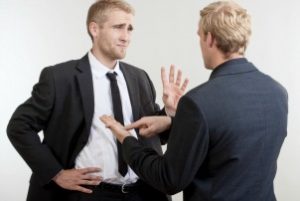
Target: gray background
x,y
38,33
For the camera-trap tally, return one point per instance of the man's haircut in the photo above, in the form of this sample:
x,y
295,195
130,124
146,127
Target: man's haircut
x,y
100,9
229,24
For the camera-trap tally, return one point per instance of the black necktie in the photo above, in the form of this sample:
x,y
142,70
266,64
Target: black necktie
x,y
117,108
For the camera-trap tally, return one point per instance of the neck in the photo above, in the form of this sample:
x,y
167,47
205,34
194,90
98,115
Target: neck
x,y
108,62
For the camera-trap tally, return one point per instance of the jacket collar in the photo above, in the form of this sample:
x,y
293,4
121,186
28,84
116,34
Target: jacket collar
x,y
233,66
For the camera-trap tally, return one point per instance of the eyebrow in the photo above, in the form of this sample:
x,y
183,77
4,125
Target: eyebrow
x,y
130,27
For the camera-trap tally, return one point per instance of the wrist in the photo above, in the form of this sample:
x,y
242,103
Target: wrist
x,y
166,123
57,175
169,113
122,137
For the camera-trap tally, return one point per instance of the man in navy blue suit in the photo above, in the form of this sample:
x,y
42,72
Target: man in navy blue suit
x,y
226,135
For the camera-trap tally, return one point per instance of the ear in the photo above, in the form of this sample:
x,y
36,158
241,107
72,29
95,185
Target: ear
x,y
210,39
94,29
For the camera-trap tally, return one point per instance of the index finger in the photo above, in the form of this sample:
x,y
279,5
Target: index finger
x,y
138,124
89,170
184,85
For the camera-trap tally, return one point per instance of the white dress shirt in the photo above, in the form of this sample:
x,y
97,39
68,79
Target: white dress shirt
x,y
101,148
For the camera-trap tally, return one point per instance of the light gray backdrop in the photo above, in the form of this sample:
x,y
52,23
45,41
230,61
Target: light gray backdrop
x,y
38,33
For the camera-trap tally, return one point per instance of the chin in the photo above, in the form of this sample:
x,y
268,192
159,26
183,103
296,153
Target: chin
x,y
206,66
120,55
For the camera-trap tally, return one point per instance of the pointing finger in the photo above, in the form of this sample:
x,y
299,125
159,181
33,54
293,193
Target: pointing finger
x,y
138,124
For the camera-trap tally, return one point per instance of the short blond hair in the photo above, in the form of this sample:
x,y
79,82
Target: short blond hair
x,y
98,11
229,24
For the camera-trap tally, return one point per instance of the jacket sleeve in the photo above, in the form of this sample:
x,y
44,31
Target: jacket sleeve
x,y
27,121
173,171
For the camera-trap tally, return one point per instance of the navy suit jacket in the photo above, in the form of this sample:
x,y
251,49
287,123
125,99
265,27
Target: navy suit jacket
x,y
224,141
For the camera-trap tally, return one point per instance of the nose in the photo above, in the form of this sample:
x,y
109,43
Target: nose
x,y
126,35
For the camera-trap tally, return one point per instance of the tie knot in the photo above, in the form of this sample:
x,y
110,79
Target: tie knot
x,y
112,76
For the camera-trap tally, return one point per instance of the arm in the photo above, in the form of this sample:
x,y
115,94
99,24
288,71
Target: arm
x,y
151,125
27,121
148,126
172,172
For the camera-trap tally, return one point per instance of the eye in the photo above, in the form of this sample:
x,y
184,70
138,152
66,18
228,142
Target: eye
x,y
130,28
119,26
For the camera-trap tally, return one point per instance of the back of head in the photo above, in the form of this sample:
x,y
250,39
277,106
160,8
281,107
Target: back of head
x,y
229,24
99,10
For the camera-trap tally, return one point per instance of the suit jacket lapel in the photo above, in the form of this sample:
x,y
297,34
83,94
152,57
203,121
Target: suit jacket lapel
x,y
134,93
85,83
133,90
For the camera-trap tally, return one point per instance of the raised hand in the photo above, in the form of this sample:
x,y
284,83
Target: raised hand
x,y
172,90
150,126
73,179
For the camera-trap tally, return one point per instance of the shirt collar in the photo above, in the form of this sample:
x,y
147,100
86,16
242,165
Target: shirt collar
x,y
99,69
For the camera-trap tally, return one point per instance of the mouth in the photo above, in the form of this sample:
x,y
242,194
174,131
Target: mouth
x,y
122,46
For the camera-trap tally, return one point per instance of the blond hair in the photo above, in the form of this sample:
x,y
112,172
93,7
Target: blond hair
x,y
229,24
98,11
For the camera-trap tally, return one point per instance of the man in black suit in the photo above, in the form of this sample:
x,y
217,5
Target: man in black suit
x,y
78,158
227,133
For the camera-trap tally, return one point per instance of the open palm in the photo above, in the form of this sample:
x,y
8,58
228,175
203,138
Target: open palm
x,y
173,89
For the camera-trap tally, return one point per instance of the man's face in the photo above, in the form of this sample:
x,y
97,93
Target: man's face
x,y
113,36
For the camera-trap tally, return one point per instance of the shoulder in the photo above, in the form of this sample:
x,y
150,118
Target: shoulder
x,y
129,68
197,96
66,66
64,72
136,73
202,90
273,84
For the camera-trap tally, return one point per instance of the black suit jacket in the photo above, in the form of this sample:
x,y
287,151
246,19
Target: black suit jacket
x,y
62,106
224,141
